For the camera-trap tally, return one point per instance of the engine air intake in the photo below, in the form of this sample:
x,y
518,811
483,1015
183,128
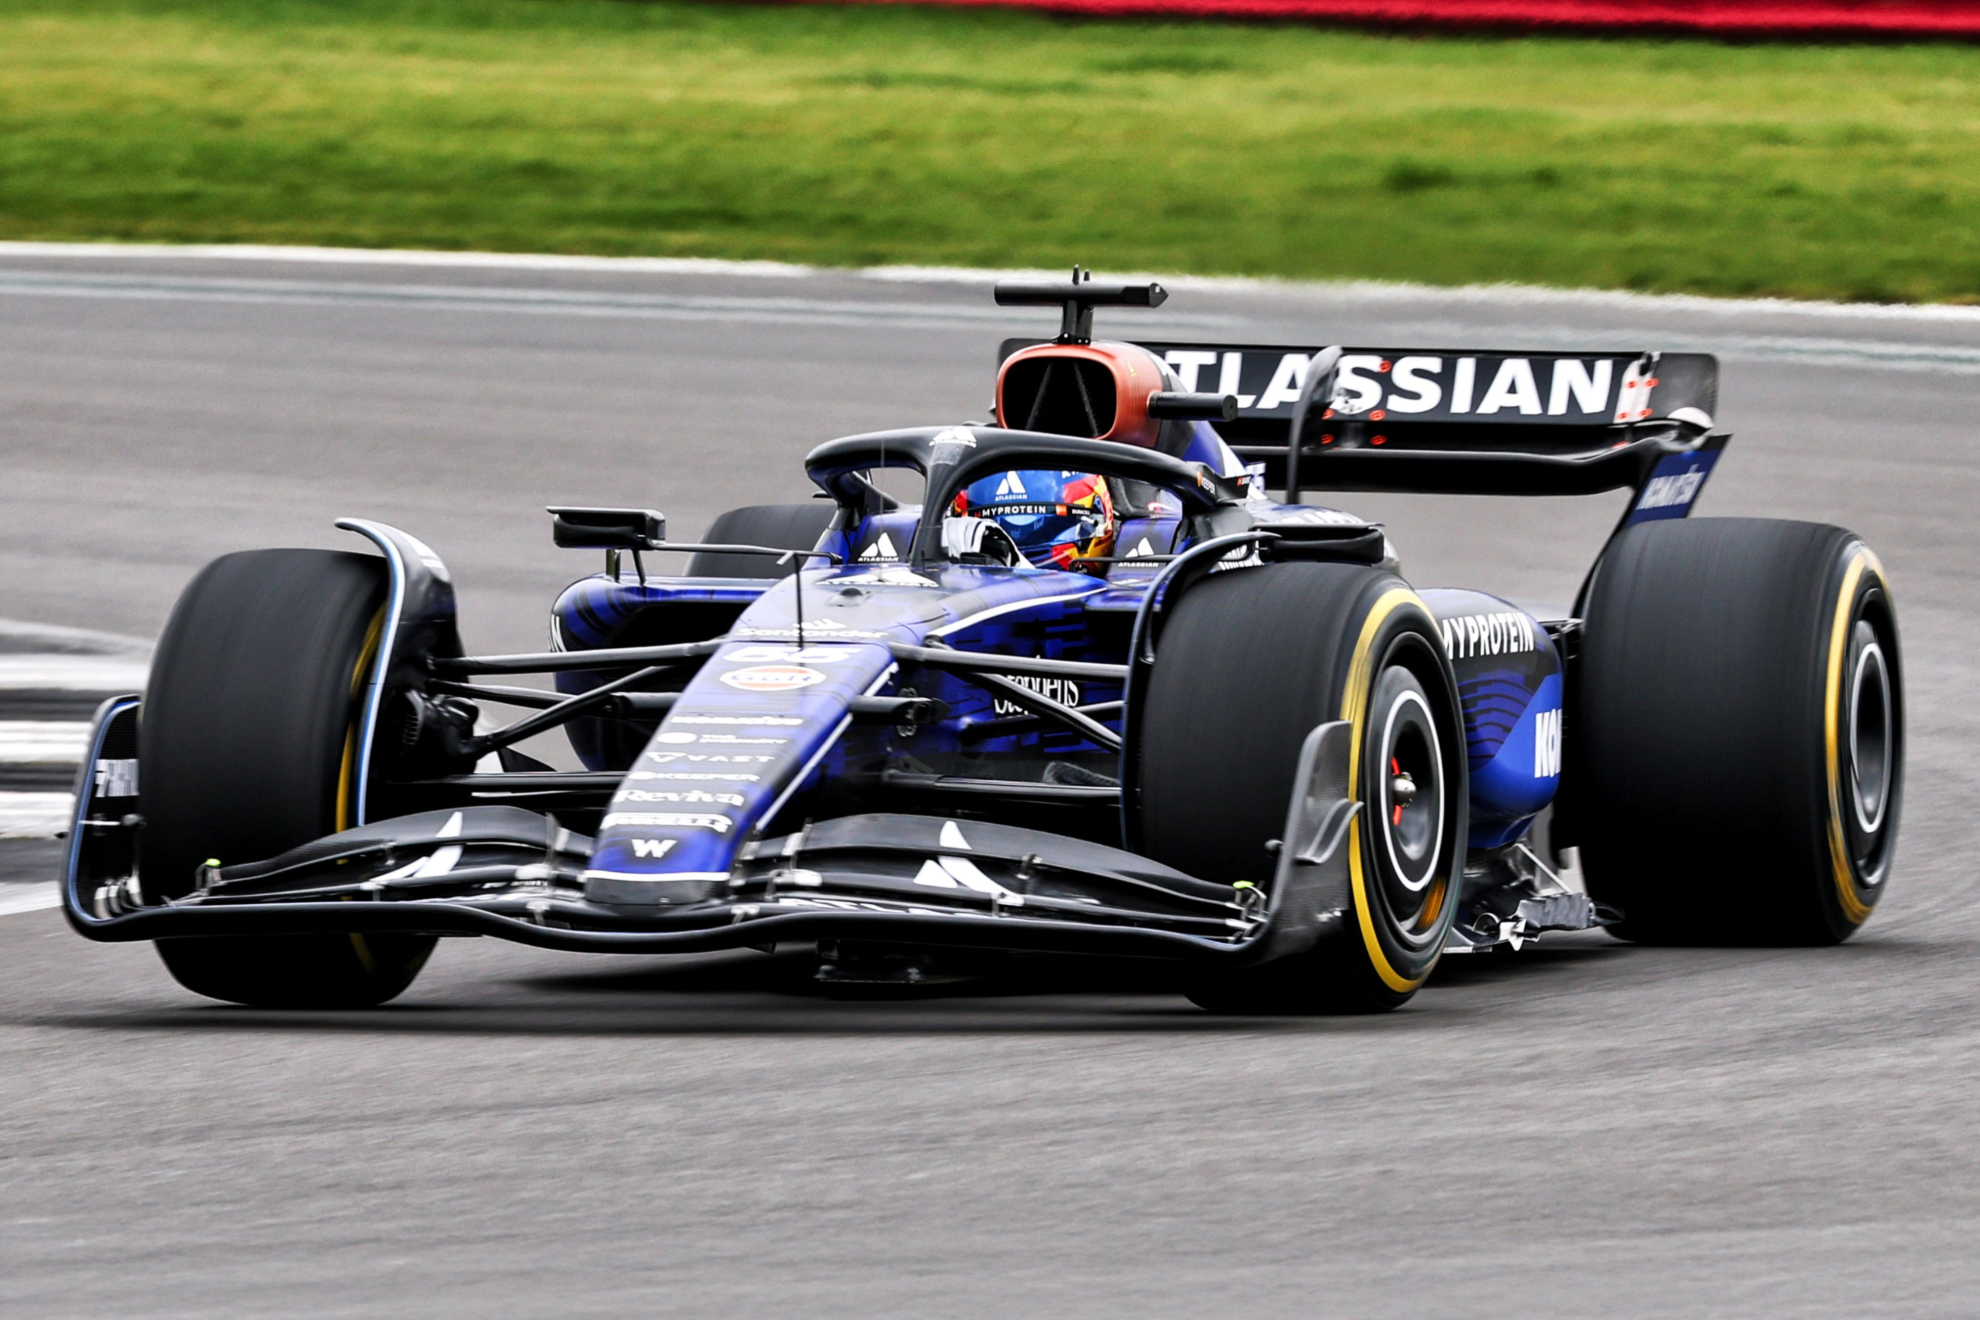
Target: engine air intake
x,y
1060,396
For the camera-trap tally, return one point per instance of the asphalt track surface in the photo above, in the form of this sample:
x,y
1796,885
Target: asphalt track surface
x,y
1585,1129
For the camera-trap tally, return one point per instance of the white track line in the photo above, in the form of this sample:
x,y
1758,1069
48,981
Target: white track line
x,y
35,815
16,899
22,636
1508,295
42,742
539,301
71,673
1873,353
412,257
76,660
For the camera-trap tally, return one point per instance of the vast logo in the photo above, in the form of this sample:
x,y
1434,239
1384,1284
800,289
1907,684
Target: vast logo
x,y
773,678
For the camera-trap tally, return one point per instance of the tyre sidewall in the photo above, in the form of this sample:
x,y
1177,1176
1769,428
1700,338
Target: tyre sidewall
x,y
1391,954
1857,865
1707,777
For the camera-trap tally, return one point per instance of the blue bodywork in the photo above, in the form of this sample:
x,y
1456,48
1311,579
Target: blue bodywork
x,y
764,721
1509,687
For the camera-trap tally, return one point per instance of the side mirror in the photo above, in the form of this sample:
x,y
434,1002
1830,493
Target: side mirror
x,y
608,529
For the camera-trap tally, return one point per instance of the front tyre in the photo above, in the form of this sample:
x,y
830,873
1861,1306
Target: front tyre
x,y
1249,663
248,745
1740,747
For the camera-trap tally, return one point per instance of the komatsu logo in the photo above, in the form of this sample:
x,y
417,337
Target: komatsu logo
x,y
1665,492
1471,636
1547,744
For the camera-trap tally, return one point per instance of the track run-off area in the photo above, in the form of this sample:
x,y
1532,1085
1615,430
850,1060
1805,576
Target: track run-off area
x,y
1585,1128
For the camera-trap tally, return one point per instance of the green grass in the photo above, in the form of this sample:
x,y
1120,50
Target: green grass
x,y
871,135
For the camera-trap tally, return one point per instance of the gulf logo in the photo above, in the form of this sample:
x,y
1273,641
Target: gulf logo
x,y
773,678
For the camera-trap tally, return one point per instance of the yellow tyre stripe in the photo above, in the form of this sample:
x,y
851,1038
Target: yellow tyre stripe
x,y
1354,709
1855,910
348,775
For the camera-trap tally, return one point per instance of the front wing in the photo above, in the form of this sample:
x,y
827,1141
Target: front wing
x,y
882,877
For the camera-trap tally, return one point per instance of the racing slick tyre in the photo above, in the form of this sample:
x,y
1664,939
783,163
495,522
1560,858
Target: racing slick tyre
x,y
1249,662
248,746
784,526
1740,747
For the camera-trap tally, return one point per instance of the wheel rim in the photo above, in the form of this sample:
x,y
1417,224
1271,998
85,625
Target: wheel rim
x,y
1408,805
1411,801
1864,730
1870,734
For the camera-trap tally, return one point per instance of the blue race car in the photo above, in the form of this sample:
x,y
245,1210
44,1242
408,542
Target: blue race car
x,y
1096,694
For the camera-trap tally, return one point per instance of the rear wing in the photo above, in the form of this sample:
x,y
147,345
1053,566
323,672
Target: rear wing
x,y
1456,422
1460,421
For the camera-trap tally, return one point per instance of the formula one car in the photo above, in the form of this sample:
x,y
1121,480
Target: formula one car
x,y
1096,694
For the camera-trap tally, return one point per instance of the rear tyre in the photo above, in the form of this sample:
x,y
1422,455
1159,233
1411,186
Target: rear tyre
x,y
1741,733
248,744
784,526
1249,663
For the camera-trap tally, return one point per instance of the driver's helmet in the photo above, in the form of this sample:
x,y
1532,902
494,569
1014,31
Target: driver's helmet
x,y
1058,519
